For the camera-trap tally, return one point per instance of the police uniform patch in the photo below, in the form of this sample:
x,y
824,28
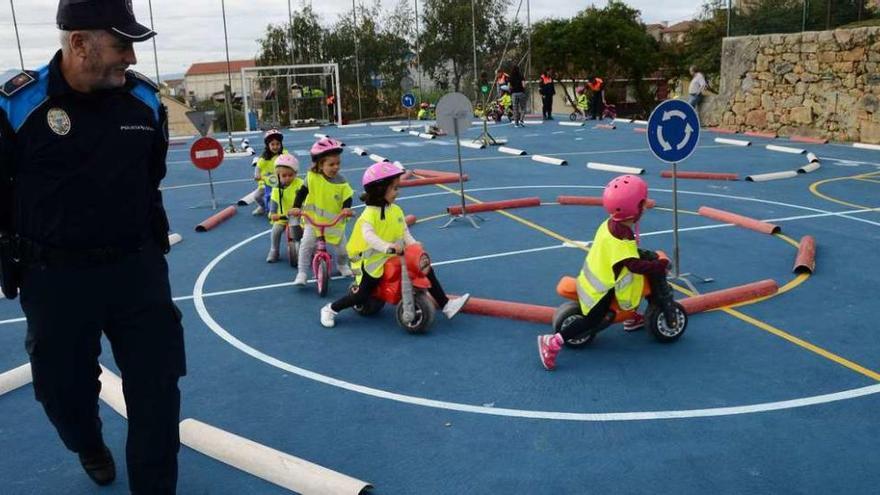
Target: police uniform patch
x,y
58,121
19,82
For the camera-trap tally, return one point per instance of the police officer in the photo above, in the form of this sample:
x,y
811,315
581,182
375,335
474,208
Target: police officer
x,y
84,233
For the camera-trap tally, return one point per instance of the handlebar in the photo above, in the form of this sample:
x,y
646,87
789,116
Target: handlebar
x,y
316,224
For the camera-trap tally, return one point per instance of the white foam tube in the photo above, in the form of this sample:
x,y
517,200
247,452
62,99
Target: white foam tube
x,y
2,295
811,157
500,140
297,129
627,121
640,122
470,144
572,124
244,143
359,151
549,159
111,391
866,146
772,176
414,133
398,129
180,138
810,167
511,151
533,122
247,199
377,158
264,462
615,168
350,126
237,155
15,378
735,142
174,239
396,122
480,122
320,136
785,149
426,136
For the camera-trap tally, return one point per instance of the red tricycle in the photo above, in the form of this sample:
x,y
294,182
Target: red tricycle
x,y
665,318
408,289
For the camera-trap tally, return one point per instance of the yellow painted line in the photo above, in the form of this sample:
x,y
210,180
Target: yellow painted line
x,y
814,188
432,217
870,180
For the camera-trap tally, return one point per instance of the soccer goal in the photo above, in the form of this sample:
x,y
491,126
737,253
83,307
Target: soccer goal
x,y
290,95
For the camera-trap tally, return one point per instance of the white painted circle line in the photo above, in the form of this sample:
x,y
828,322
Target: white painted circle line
x,y
201,309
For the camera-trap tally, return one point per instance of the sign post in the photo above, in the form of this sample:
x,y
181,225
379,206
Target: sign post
x,y
408,100
454,114
673,134
207,154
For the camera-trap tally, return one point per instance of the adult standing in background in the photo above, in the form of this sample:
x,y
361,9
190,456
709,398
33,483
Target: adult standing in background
x,y
696,88
548,91
518,93
82,152
597,105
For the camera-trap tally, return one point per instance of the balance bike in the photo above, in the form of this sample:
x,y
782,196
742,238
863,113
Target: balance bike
x,y
408,289
322,258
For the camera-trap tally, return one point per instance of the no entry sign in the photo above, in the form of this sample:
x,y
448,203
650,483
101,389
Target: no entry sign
x,y
206,153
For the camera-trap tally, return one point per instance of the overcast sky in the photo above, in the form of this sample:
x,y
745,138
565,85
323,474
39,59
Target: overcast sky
x,y
192,30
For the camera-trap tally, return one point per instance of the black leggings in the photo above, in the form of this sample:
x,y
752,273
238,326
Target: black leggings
x,y
591,320
361,293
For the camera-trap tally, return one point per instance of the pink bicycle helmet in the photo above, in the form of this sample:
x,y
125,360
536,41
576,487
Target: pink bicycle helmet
x,y
580,90
381,171
623,197
288,161
273,134
325,146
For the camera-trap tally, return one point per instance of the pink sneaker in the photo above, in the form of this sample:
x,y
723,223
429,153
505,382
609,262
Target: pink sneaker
x,y
634,323
548,348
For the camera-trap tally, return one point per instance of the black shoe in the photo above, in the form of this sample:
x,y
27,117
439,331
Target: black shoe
x,y
99,466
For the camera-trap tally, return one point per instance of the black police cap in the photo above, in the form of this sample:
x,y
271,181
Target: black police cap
x,y
115,16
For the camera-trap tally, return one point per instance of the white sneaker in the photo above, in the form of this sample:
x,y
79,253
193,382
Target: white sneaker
x,y
272,257
328,317
454,305
258,211
345,271
301,278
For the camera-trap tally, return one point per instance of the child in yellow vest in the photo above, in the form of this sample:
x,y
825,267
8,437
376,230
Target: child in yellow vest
x,y
380,233
281,201
614,267
324,195
264,168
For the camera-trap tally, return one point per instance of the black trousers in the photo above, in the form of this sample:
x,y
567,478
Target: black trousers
x,y
547,106
596,106
129,300
368,285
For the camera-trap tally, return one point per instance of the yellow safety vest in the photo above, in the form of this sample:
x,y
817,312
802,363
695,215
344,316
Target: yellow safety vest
x,y
325,200
284,198
391,229
506,101
582,102
267,167
597,275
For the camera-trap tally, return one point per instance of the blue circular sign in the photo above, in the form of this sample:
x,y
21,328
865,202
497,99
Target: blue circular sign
x,y
673,131
408,100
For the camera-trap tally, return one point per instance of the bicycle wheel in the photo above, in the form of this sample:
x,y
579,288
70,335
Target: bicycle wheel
x,y
323,276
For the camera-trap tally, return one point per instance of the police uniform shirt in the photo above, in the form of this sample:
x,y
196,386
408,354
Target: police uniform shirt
x,y
86,167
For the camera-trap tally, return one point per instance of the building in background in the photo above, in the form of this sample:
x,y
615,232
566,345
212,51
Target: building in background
x,y
206,80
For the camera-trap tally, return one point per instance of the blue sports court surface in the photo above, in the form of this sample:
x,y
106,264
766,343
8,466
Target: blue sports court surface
x,y
776,396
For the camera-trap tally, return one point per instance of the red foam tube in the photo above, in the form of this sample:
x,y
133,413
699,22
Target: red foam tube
x,y
721,130
641,130
811,140
610,127
729,297
427,181
805,262
745,222
591,201
700,175
769,135
432,173
495,205
410,219
510,310
216,219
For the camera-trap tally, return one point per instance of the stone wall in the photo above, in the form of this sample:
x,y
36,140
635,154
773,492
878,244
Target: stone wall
x,y
820,84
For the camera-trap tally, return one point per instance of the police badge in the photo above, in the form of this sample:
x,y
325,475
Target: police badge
x,y
58,121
